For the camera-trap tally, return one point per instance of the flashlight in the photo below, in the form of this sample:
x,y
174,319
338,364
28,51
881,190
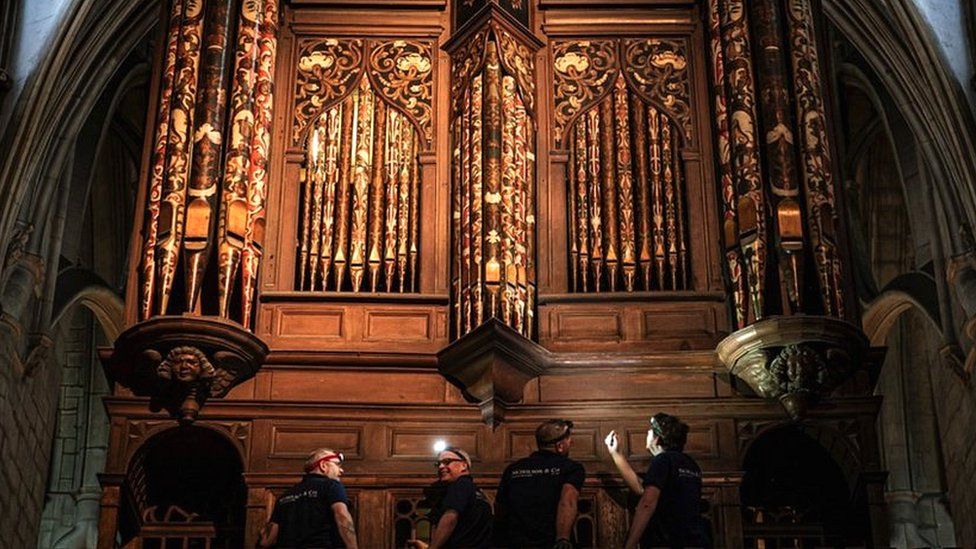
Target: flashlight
x,y
439,446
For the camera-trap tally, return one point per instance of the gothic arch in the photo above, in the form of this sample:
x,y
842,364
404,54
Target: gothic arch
x,y
96,37
893,41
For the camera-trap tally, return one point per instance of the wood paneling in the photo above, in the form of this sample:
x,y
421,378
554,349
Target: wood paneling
x,y
296,440
357,386
389,326
631,324
418,444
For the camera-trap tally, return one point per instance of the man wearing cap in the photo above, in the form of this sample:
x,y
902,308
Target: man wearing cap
x,y
669,511
536,502
463,517
314,512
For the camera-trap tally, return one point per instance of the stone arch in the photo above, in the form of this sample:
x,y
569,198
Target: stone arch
x,y
909,290
893,41
77,286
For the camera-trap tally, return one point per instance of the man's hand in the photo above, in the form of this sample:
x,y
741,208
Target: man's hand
x,y
612,443
417,544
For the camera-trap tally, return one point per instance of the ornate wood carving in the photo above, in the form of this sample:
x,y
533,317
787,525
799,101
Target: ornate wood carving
x,y
493,165
796,359
815,156
800,219
655,68
618,102
373,230
329,69
183,205
180,362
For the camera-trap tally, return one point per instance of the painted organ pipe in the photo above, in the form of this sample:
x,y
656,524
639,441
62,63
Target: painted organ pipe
x,y
627,225
625,178
790,204
197,205
493,173
360,179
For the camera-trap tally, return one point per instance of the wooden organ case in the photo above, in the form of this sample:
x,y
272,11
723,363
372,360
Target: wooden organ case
x,y
453,220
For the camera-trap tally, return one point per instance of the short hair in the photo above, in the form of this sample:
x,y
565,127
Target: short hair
x,y
552,431
459,453
672,433
315,457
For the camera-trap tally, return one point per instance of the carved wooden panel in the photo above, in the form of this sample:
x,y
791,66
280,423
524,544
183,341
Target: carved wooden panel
x,y
649,325
345,326
622,109
363,112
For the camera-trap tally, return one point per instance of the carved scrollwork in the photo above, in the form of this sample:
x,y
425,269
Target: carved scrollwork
x,y
518,60
799,368
467,61
180,363
658,69
584,71
328,69
401,71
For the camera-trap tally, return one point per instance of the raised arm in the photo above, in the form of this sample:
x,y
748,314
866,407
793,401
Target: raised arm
x,y
626,471
645,510
347,529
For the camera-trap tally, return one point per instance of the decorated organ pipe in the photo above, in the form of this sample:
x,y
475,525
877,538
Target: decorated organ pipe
x,y
208,173
493,132
622,112
775,168
363,117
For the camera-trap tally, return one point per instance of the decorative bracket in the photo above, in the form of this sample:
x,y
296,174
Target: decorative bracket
x,y
795,359
181,361
491,364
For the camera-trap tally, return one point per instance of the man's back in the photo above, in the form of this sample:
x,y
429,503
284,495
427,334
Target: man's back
x,y
529,495
304,513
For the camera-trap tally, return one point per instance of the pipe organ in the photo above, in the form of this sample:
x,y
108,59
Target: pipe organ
x,y
369,226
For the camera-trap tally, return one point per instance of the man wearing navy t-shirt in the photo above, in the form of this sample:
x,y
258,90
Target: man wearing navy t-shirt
x,y
463,517
669,511
315,512
536,502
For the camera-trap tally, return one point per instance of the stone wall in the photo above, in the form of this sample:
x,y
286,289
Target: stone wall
x,y
27,418
955,406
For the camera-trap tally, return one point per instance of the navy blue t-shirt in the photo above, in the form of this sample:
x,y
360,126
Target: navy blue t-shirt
x,y
528,497
677,520
473,528
304,514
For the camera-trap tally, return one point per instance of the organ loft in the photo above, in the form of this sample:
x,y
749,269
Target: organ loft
x,y
371,226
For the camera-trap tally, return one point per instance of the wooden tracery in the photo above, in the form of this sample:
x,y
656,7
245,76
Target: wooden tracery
x,y
360,205
622,110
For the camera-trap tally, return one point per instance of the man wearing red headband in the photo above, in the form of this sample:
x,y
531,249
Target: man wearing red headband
x,y
314,512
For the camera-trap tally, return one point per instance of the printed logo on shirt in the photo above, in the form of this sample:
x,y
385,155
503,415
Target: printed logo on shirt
x,y
688,473
542,471
298,495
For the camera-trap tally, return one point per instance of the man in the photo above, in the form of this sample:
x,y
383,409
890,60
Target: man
x,y
464,515
315,512
536,502
670,492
